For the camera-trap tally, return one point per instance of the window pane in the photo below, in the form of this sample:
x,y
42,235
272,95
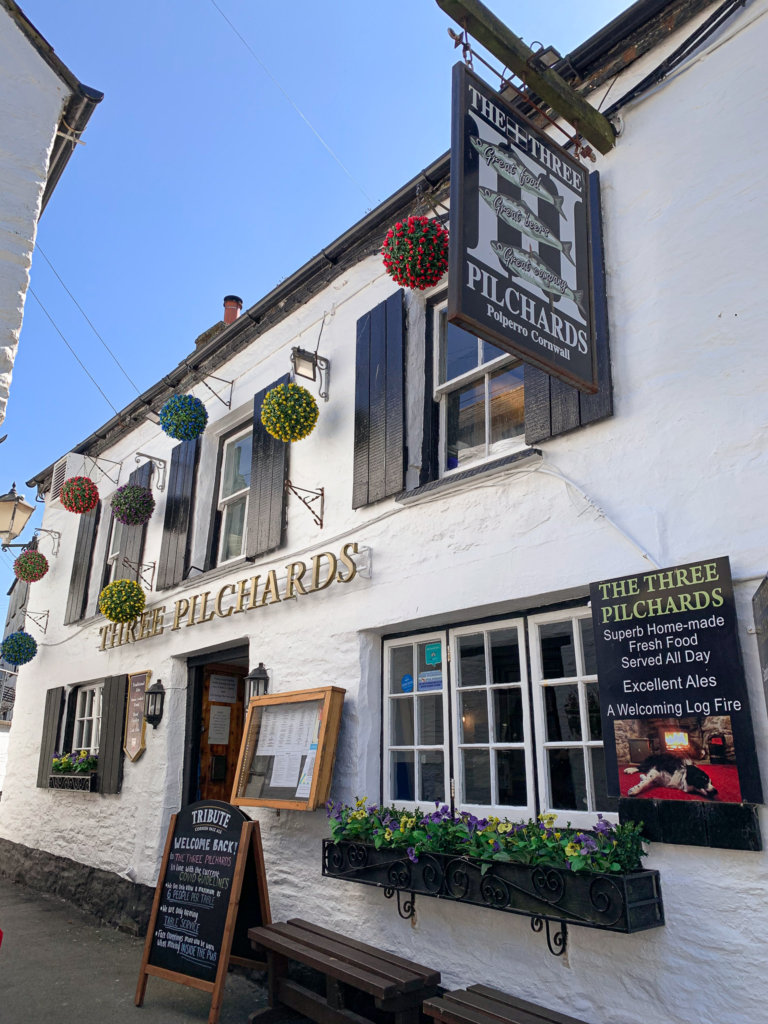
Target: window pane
x,y
401,670
603,802
505,656
465,424
432,785
474,716
588,645
233,529
593,712
477,776
508,715
567,780
429,659
401,717
507,405
562,709
461,351
236,474
472,660
430,720
87,733
510,777
492,352
557,654
402,775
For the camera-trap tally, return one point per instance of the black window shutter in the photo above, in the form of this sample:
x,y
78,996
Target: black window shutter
x,y
54,702
269,472
380,402
110,763
552,407
174,548
81,568
132,537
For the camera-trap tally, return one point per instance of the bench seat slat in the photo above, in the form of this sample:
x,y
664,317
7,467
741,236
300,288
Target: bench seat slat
x,y
358,954
470,1007
428,974
523,1004
451,1012
288,947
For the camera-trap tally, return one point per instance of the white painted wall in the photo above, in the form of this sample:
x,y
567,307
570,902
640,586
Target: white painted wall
x,y
681,468
33,98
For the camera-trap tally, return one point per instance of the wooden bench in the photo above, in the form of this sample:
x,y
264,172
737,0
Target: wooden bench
x,y
480,1004
396,986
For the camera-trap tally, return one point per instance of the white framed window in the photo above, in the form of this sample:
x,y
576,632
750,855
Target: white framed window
x,y
87,726
480,391
234,485
471,718
570,753
113,554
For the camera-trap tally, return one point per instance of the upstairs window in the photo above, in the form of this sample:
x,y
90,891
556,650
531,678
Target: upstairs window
x,y
87,724
234,486
479,388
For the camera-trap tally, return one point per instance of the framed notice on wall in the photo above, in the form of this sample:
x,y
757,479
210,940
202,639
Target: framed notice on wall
x,y
288,750
134,741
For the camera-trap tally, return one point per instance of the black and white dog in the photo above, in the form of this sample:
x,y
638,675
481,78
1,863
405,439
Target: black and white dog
x,y
672,771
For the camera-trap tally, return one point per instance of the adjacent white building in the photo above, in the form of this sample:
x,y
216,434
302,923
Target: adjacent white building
x,y
477,501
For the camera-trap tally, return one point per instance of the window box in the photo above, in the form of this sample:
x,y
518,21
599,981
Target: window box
x,y
617,903
85,782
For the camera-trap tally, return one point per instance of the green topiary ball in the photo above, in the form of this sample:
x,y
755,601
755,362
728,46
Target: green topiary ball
x,y
122,601
183,417
289,412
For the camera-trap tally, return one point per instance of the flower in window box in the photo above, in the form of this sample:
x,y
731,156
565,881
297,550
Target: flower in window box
x,y
18,648
79,494
183,417
132,505
415,252
30,566
122,601
76,763
289,412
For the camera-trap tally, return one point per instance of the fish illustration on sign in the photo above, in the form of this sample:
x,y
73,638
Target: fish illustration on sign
x,y
519,215
508,166
531,268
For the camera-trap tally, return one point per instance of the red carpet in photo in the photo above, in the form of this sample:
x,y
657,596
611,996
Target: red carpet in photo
x,y
725,779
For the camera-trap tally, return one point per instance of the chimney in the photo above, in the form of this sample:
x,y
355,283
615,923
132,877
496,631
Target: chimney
x,y
233,305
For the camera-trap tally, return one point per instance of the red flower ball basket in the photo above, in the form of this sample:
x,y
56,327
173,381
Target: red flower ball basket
x,y
79,494
415,252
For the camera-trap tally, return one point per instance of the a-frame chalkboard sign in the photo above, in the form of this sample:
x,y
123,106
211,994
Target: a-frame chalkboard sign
x,y
212,888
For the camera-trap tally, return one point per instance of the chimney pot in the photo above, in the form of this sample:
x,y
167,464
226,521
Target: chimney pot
x,y
233,305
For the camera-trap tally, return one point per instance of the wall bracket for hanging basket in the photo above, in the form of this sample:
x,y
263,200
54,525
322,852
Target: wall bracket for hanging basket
x,y
318,495
91,462
203,378
54,534
40,619
159,469
144,570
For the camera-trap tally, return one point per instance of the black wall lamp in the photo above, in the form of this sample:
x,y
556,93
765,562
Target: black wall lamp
x,y
154,700
308,365
257,681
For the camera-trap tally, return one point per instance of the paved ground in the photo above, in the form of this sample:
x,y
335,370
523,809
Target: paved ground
x,y
59,966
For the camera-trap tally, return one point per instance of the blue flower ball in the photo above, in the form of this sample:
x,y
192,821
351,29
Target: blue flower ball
x,y
183,417
18,648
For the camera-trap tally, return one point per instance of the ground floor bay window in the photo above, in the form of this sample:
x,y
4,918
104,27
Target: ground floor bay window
x,y
497,718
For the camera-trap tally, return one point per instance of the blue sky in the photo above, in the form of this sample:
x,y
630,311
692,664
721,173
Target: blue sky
x,y
199,178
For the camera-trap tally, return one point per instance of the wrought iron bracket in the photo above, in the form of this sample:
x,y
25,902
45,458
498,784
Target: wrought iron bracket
x,y
159,468
203,379
96,461
40,619
54,534
145,570
557,943
318,495
406,909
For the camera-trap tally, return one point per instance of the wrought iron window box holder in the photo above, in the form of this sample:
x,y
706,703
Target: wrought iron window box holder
x,y
84,782
612,902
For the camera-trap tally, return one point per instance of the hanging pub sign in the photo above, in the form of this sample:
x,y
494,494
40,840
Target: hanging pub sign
x,y
521,272
673,696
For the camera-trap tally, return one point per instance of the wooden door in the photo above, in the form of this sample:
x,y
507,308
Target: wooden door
x,y
221,729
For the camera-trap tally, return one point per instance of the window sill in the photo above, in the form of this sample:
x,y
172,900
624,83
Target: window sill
x,y
457,480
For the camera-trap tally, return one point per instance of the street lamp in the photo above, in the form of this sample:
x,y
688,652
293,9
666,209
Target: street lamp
x,y
15,513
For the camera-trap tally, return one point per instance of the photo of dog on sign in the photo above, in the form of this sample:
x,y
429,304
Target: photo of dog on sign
x,y
677,759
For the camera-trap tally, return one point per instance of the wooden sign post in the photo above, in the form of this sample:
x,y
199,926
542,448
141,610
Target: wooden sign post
x,y
212,888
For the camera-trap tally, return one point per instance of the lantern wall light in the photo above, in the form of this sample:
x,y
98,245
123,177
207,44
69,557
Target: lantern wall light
x,y
257,681
154,700
310,365
15,513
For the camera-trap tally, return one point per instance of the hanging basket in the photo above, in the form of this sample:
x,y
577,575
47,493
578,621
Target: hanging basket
x,y
18,648
289,412
183,417
30,566
79,494
132,505
415,252
122,601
